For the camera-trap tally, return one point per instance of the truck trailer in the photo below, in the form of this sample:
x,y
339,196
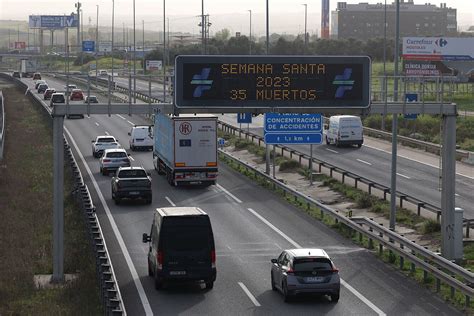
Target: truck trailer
x,y
185,148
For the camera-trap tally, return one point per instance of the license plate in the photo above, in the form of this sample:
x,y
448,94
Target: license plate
x,y
314,279
177,272
134,193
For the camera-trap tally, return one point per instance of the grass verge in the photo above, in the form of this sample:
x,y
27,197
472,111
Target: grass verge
x,y
26,225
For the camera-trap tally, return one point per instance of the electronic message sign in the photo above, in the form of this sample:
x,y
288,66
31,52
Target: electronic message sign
x,y
272,81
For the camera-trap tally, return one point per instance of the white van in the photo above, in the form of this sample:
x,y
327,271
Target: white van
x,y
141,137
345,130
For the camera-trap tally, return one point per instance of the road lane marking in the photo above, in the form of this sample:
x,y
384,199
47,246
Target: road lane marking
x,y
332,150
123,118
456,194
107,133
415,160
404,176
130,122
97,124
169,201
250,295
345,284
363,161
362,298
228,193
118,236
131,158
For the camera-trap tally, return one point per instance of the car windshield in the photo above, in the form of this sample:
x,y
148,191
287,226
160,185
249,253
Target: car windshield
x,y
117,154
133,173
310,264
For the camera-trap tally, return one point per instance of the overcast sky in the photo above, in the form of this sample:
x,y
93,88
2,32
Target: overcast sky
x,y
286,16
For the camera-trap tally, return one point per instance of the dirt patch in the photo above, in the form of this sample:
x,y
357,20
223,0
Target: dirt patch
x,y
26,220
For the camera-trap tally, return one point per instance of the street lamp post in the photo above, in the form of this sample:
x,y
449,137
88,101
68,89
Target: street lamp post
x,y
384,61
96,44
143,45
134,59
305,27
203,29
164,50
112,51
250,33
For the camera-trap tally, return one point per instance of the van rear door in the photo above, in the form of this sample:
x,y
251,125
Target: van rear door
x,y
187,243
350,129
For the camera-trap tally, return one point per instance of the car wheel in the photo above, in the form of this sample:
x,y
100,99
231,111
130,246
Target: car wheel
x,y
104,171
359,145
150,271
158,282
148,201
337,143
273,282
117,200
132,148
209,285
335,298
286,296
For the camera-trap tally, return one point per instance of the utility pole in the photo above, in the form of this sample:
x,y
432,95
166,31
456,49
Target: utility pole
x,y
143,45
384,116
134,58
164,50
113,12
250,33
305,27
78,7
202,29
96,44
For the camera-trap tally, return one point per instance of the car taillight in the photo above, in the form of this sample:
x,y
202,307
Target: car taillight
x,y
334,269
179,175
290,271
213,258
212,175
159,259
106,160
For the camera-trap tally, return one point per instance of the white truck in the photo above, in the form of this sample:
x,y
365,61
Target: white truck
x,y
28,68
345,130
185,148
101,143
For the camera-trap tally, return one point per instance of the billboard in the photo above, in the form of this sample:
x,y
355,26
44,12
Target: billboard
x,y
438,48
52,21
153,65
20,45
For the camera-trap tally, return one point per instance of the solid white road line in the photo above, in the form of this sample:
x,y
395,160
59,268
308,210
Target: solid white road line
x,y
332,150
424,163
250,295
345,284
123,248
228,193
169,200
97,124
363,161
404,176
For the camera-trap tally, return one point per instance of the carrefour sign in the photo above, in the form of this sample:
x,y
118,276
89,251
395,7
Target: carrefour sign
x,y
438,48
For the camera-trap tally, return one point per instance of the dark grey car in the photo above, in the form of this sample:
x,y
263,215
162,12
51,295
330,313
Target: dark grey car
x,y
307,270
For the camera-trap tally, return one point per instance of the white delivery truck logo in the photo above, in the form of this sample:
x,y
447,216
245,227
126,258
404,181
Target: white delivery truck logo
x,y
185,128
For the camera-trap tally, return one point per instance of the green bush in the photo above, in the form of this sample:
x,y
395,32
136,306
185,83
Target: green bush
x,y
430,226
364,200
289,165
241,144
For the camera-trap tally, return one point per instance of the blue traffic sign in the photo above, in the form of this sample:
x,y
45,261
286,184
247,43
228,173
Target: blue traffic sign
x,y
244,118
88,46
411,97
293,138
292,123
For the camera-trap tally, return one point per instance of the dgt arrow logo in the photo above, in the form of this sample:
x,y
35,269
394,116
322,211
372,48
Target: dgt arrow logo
x,y
202,83
344,83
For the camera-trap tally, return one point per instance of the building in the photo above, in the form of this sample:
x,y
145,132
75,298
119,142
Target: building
x,y
364,21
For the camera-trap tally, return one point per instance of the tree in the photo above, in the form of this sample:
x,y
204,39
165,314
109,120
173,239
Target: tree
x,y
222,35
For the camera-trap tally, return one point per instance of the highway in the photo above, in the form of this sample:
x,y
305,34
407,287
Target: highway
x,y
418,177
251,225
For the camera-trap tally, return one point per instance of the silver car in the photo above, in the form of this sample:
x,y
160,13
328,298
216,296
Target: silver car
x,y
308,270
112,159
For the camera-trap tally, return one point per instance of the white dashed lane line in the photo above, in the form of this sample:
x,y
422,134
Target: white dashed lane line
x,y
363,161
249,294
404,176
123,118
131,158
131,123
107,133
97,124
331,150
169,201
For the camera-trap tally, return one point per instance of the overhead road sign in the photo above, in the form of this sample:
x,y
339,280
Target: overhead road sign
x,y
283,82
88,46
244,117
293,138
53,21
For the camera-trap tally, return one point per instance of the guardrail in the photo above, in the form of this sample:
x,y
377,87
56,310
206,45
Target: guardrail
x,y
109,289
444,271
2,125
291,153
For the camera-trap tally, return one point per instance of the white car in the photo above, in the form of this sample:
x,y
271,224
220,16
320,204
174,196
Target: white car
x,y
102,143
141,137
112,159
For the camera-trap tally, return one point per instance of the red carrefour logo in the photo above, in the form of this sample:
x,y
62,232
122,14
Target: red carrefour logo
x,y
185,128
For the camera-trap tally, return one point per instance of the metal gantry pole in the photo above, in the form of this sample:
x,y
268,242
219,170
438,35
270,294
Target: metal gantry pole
x,y
310,164
267,148
58,196
112,52
384,116
393,180
96,46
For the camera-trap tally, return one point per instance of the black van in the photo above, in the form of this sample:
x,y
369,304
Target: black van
x,y
181,246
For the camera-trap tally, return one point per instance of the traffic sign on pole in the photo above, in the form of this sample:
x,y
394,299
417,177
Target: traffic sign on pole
x,y
88,46
290,128
293,138
411,97
244,118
